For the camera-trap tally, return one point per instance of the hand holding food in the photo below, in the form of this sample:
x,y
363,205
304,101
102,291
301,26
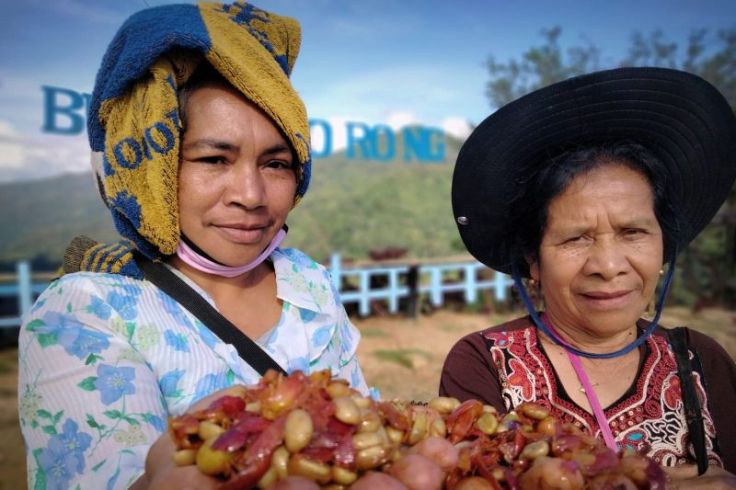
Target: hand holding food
x,y
288,429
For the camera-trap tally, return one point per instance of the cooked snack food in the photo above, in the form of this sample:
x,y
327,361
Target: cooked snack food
x,y
291,430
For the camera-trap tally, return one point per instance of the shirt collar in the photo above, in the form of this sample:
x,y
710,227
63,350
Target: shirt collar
x,y
299,280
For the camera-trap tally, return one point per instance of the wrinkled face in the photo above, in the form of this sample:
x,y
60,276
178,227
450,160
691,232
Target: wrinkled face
x,y
236,178
601,252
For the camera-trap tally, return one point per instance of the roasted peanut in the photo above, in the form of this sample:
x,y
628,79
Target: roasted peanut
x,y
535,450
184,457
347,411
361,401
488,423
370,421
363,440
509,421
547,426
269,478
444,404
298,430
209,430
395,436
254,407
418,428
314,470
533,410
280,462
438,428
338,388
211,461
370,457
343,476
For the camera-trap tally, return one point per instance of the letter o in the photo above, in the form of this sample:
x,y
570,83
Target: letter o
x,y
120,154
164,130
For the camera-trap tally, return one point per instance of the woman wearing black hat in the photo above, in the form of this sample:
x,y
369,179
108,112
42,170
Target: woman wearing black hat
x,y
589,188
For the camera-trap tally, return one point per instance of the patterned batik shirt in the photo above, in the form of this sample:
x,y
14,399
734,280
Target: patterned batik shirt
x,y
648,418
104,359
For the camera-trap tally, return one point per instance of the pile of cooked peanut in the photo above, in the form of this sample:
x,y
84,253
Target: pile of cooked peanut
x,y
304,432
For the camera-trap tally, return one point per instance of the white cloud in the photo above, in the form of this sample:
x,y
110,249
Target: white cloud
x,y
400,119
459,127
25,157
11,148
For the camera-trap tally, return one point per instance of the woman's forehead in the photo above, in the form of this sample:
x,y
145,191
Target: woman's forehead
x,y
615,190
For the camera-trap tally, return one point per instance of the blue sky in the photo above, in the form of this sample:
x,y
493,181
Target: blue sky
x,y
375,61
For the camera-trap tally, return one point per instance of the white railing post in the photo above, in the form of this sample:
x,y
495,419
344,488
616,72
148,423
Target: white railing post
x,y
25,298
435,282
471,286
499,285
335,271
393,291
364,306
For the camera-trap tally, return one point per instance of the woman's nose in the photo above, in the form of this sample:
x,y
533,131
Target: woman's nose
x,y
607,259
246,186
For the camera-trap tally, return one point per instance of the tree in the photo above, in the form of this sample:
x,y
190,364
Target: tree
x,y
708,267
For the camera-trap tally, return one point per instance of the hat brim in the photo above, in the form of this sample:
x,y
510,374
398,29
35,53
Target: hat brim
x,y
678,116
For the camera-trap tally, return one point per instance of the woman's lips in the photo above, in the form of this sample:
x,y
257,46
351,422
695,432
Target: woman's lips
x,y
246,235
606,300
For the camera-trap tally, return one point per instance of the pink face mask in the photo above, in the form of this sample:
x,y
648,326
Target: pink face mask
x,y
190,257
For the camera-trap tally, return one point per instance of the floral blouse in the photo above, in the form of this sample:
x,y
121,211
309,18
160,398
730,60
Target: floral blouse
x,y
105,359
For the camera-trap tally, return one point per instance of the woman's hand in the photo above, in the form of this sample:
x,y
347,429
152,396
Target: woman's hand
x,y
686,477
162,473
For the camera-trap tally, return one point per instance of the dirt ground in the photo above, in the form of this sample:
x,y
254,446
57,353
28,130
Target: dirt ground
x,y
402,357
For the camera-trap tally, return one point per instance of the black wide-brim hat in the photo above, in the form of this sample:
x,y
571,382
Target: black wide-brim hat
x,y
678,116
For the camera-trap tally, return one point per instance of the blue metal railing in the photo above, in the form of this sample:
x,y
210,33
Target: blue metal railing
x,y
354,282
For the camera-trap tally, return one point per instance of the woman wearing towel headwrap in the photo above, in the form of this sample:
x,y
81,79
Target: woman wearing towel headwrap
x,y
200,146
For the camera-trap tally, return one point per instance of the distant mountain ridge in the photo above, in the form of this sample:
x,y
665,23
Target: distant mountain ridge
x,y
352,206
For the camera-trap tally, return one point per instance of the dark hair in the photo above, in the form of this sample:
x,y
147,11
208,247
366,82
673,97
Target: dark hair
x,y
204,74
528,216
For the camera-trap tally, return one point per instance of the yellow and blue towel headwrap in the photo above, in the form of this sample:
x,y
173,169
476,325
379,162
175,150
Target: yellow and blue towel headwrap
x,y
134,127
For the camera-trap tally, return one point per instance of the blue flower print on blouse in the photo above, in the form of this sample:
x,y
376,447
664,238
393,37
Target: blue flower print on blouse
x,y
298,363
63,458
169,383
113,382
322,335
99,308
306,315
174,309
123,304
211,383
156,421
68,332
299,259
177,341
207,336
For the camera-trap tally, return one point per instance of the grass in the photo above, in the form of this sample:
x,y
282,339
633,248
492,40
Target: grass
x,y
373,333
402,357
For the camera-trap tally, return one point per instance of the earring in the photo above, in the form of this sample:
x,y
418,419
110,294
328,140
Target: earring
x,y
661,272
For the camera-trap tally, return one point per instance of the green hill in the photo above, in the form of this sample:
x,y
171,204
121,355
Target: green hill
x,y
352,206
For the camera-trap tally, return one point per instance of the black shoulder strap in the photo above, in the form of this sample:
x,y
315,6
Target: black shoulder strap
x,y
693,414
168,282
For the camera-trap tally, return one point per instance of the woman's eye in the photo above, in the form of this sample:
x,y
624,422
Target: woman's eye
x,y
280,164
633,232
212,160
